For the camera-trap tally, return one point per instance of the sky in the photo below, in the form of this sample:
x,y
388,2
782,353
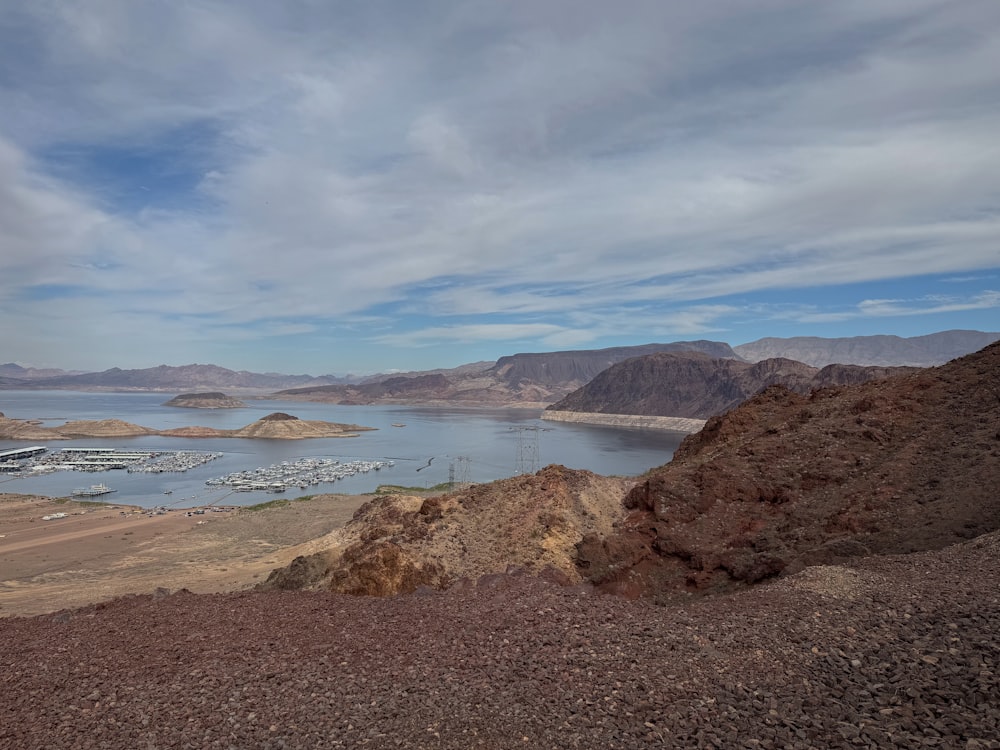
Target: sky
x,y
323,186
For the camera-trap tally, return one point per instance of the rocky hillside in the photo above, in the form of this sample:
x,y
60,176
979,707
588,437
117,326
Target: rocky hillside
x,y
398,543
783,481
786,480
888,351
694,385
211,400
888,652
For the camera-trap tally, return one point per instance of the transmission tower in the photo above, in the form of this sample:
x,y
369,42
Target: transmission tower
x,y
463,474
527,450
458,473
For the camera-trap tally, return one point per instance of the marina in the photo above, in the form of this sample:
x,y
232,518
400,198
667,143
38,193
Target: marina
x,y
302,473
481,444
39,460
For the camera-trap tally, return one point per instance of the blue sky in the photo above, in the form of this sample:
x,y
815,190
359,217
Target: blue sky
x,y
334,187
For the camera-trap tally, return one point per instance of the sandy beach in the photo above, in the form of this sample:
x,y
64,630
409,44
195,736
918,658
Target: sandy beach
x,y
98,552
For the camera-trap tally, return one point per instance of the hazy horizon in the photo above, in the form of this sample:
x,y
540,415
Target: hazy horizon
x,y
358,374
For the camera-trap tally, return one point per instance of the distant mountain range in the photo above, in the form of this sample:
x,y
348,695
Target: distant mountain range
x,y
162,378
17,372
886,351
534,379
517,380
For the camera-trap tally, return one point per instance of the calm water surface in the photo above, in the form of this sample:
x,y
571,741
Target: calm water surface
x,y
498,443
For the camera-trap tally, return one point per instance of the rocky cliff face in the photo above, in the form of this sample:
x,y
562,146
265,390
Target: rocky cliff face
x,y
578,367
786,480
694,385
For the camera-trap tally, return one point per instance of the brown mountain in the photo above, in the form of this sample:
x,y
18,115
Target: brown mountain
x,y
889,351
563,369
694,385
392,389
786,480
531,379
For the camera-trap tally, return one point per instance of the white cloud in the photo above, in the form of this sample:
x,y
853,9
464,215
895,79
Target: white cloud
x,y
891,308
499,172
929,306
467,334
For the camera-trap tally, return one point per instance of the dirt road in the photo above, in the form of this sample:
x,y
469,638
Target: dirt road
x,y
96,553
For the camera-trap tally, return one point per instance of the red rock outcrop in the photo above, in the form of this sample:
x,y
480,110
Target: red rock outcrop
x,y
786,480
396,544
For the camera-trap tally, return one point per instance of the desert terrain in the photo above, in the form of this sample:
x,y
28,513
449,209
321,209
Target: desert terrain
x,y
809,571
884,652
98,552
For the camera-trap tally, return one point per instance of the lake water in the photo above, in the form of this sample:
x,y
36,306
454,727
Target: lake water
x,y
497,443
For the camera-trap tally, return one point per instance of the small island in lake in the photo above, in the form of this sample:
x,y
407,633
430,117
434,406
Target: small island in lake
x,y
211,400
276,426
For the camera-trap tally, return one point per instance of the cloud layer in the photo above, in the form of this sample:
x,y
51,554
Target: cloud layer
x,y
344,186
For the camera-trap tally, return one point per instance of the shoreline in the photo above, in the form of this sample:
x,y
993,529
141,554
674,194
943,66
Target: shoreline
x,y
670,424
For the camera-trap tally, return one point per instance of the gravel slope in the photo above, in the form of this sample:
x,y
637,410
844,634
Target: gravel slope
x,y
888,652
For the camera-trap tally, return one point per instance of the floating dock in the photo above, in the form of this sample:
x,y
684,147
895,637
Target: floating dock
x,y
94,490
